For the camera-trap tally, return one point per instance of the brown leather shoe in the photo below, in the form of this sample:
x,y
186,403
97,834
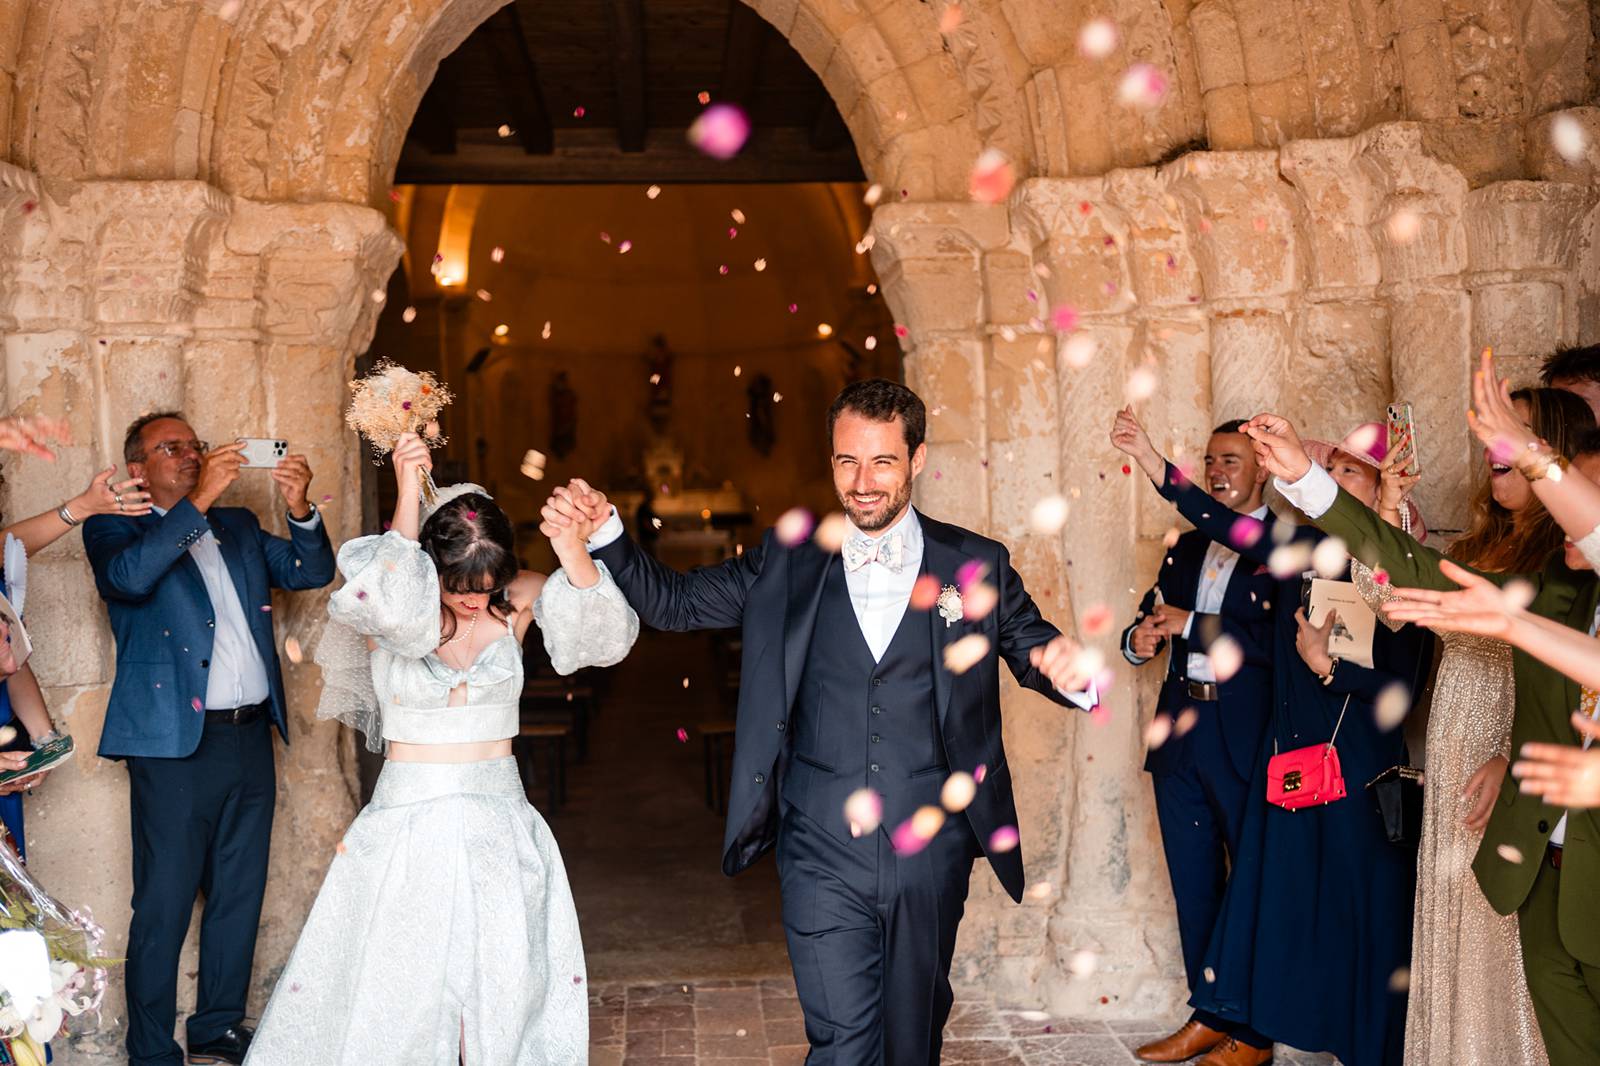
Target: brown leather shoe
x,y
1232,1053
1183,1045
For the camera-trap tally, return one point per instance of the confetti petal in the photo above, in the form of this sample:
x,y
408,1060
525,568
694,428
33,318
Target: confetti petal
x,y
1517,594
925,593
291,648
863,810
1186,720
1245,532
1567,138
1402,226
992,177
1048,516
1329,558
1393,704
977,600
683,735
720,131
1083,963
965,653
1158,731
1142,384
831,532
1004,839
1097,39
950,20
1287,560
1143,86
958,791
1097,620
1510,854
794,526
1226,657
1079,350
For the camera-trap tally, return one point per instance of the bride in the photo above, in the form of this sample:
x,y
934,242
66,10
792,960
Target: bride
x,y
445,930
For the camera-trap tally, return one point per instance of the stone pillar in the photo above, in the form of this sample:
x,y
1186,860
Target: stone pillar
x,y
124,297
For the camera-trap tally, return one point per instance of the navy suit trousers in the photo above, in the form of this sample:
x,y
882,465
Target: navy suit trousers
x,y
871,934
201,825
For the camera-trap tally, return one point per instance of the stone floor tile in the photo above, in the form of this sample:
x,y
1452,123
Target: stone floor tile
x,y
1074,1049
790,1054
775,1009
729,1046
988,1052
674,1016
659,1060
785,1031
745,999
1163,1026
677,1042
663,993
728,1022
778,986
605,1056
643,1044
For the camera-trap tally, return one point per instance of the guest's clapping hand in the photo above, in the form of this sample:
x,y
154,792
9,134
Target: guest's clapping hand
x,y
1483,788
1563,775
1312,641
1479,607
1062,661
1146,638
1278,447
1130,438
1169,620
1493,417
33,434
104,496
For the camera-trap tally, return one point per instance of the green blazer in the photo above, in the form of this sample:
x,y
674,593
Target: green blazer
x,y
1546,699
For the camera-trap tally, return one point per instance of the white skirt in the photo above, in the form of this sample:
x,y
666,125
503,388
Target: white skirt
x,y
447,912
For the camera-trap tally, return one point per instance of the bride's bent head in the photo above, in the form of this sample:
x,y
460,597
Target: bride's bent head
x,y
473,548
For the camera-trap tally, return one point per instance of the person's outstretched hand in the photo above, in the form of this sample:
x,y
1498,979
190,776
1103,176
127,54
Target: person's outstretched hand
x,y
1493,417
1480,606
1564,775
33,434
1394,488
572,513
1278,447
1130,438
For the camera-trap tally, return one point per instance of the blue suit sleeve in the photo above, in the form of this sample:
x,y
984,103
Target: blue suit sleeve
x,y
129,558
302,560
709,597
1246,535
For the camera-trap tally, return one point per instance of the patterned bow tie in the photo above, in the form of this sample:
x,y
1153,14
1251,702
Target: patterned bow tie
x,y
888,552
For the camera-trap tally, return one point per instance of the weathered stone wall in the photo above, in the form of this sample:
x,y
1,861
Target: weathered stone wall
x,y
182,225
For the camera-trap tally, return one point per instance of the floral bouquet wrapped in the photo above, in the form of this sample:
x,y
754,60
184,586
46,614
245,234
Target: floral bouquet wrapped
x,y
393,400
50,962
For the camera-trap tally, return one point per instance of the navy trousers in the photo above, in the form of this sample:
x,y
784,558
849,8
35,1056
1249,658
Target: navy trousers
x,y
871,934
201,825
1200,805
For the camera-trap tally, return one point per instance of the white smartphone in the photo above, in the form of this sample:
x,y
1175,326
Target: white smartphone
x,y
263,451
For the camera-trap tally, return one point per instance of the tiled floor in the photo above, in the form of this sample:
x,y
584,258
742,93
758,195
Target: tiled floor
x,y
757,1023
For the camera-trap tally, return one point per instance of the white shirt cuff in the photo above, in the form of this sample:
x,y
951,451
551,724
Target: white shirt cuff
x,y
308,523
1188,623
1313,494
1087,700
610,531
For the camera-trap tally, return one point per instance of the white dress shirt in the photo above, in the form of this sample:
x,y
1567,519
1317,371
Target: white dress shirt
x,y
878,596
1214,574
237,676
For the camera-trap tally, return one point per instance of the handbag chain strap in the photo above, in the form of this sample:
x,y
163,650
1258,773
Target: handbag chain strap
x,y
1336,726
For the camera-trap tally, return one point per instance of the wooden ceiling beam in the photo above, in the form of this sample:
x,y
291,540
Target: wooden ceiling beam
x,y
434,125
519,77
627,48
742,49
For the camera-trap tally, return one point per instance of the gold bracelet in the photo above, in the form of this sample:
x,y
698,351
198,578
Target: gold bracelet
x,y
1546,465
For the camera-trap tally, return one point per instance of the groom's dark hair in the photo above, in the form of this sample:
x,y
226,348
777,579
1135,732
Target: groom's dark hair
x,y
883,401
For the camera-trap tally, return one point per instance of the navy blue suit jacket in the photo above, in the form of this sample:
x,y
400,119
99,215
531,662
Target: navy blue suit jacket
x,y
1245,699
163,621
773,592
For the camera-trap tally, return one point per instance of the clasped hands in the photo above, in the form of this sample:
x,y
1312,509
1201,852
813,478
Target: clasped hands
x,y
573,513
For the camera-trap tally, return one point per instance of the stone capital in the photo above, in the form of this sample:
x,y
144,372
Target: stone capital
x,y
147,248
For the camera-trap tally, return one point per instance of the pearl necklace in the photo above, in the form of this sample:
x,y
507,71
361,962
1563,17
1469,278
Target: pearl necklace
x,y
467,636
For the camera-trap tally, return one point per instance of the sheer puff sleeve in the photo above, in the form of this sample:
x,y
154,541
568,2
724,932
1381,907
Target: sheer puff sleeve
x,y
585,627
390,594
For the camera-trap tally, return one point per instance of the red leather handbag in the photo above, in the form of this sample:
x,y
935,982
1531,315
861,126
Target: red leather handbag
x,y
1306,777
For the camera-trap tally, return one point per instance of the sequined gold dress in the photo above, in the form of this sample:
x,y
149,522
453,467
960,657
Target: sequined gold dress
x,y
1469,998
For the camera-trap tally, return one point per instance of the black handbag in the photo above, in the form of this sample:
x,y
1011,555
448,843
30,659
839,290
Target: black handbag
x,y
1397,794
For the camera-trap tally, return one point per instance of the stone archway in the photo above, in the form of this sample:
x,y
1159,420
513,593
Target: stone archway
x,y
186,219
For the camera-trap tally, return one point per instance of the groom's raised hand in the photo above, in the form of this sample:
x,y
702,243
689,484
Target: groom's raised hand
x,y
573,512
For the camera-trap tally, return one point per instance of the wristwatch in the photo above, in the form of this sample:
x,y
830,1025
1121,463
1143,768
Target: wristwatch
x,y
1333,664
48,738
310,513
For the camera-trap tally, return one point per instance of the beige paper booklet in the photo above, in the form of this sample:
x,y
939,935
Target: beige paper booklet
x,y
1352,633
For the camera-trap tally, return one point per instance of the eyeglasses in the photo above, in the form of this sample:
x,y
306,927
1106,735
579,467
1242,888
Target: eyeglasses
x,y
174,448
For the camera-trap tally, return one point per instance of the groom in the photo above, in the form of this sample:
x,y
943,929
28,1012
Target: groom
x,y
844,687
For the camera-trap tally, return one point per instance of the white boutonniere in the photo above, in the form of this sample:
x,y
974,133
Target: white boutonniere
x,y
950,605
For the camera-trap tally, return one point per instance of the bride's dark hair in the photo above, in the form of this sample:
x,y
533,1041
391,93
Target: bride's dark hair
x,y
472,545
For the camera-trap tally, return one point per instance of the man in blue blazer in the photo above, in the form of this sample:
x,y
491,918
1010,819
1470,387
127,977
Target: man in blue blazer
x,y
188,589
1201,772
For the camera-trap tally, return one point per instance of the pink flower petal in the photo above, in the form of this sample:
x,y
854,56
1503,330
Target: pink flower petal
x,y
1004,839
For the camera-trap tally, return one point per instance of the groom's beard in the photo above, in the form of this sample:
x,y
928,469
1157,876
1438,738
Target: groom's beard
x,y
881,514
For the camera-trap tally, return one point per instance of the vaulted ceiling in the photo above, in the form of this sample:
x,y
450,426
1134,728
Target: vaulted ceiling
x,y
605,90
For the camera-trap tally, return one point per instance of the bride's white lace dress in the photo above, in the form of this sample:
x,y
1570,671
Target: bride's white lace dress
x,y
446,914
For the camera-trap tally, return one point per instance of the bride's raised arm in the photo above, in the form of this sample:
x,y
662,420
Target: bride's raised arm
x,y
585,619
